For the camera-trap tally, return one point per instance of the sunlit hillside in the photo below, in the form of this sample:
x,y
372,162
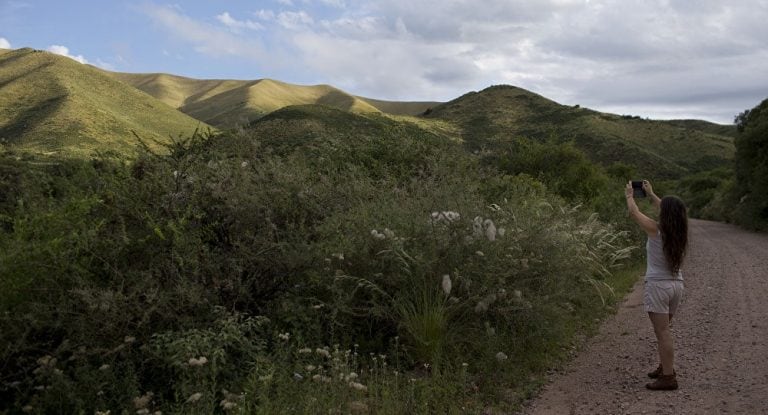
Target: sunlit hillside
x,y
228,103
53,104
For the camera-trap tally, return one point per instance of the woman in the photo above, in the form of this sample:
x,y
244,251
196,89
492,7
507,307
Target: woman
x,y
667,242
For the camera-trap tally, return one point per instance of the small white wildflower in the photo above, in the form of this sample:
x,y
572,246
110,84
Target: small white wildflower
x,y
452,216
446,284
502,231
143,401
298,376
477,226
479,253
194,397
321,378
358,386
481,306
464,364
490,230
339,256
501,356
377,235
518,294
284,336
143,411
129,339
227,405
388,233
244,164
175,174
352,376
305,350
323,352
100,393
310,368
46,361
107,412
198,362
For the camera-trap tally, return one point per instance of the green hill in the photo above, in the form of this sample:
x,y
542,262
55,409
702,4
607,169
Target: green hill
x,y
660,149
53,104
228,103
400,107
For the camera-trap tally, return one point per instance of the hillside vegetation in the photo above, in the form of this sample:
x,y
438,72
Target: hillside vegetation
x,y
357,262
658,149
53,104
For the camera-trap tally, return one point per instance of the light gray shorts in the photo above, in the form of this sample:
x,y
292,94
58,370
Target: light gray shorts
x,y
662,296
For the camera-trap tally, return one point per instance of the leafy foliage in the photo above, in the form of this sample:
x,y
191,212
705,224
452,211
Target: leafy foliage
x,y
194,280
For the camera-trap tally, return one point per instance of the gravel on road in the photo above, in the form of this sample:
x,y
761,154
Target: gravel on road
x,y
720,334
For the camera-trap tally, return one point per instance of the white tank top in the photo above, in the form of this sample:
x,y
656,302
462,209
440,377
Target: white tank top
x,y
657,267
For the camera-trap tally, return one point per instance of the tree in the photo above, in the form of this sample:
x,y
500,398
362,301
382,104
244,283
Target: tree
x,y
752,166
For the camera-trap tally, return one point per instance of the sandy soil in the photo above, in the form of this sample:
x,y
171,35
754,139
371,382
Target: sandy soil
x,y
721,340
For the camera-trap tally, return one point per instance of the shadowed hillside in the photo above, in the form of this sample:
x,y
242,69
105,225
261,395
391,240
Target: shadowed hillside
x,y
51,104
661,148
401,108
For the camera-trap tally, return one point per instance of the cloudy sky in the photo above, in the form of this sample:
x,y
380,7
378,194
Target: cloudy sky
x,y
704,59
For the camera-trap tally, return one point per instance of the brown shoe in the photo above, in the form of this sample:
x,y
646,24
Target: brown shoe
x,y
663,383
656,373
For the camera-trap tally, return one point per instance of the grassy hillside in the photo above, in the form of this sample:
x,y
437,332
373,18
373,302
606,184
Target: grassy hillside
x,y
705,126
177,91
401,108
228,103
53,104
657,148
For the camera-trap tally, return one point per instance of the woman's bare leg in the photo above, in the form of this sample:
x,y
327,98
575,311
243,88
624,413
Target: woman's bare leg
x,y
664,338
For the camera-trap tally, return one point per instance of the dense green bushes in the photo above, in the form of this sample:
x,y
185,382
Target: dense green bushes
x,y
738,194
358,266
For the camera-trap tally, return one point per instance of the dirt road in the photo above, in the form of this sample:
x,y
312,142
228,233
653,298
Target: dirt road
x,y
721,340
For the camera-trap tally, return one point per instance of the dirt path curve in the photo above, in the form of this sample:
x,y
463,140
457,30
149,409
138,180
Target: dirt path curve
x,y
721,340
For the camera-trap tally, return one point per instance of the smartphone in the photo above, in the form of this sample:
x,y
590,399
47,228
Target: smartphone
x,y
637,188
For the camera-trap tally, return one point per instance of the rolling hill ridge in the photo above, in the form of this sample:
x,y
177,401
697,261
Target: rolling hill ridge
x,y
229,103
50,104
667,148
53,104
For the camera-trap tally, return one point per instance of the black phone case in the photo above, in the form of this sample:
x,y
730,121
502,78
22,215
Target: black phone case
x,y
637,189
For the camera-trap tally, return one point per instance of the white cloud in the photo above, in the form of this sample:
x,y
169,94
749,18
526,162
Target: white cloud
x,y
105,65
663,57
64,51
295,20
205,38
649,58
235,24
265,14
4,43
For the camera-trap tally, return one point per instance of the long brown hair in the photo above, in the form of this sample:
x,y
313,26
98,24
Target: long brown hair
x,y
673,224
